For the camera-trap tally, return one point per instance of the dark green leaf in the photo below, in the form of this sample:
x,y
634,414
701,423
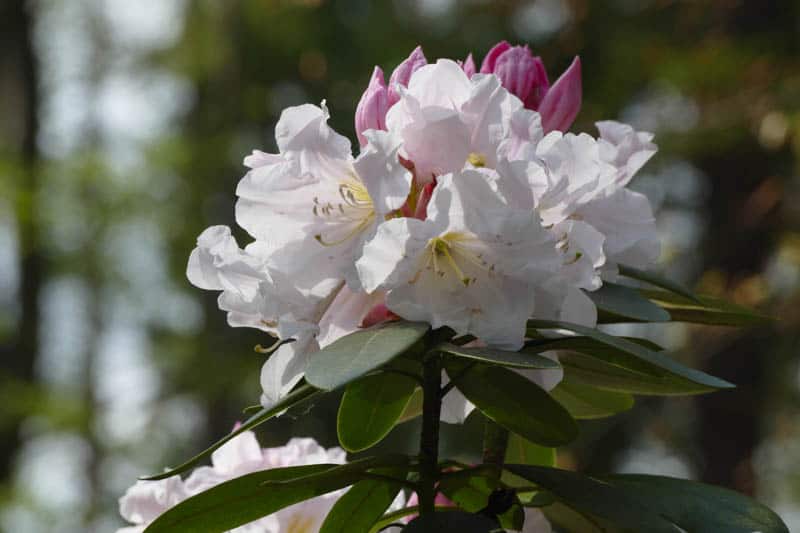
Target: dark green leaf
x,y
452,522
353,356
514,402
591,370
363,504
470,490
587,402
653,503
705,310
371,407
638,351
656,280
617,303
523,451
301,394
250,497
499,357
413,408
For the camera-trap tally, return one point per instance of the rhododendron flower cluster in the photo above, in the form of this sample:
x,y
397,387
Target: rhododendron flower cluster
x,y
468,206
147,500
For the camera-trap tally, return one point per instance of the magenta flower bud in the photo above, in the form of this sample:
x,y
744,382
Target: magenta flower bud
x,y
487,67
372,108
562,101
517,70
540,85
469,66
402,74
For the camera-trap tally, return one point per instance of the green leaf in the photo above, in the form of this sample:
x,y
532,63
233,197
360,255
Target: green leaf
x,y
451,522
523,451
470,490
499,357
371,407
514,402
299,395
654,504
656,280
590,370
363,504
705,310
353,356
413,408
252,496
638,351
618,303
587,402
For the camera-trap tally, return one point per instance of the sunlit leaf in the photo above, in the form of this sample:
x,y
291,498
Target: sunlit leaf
x,y
355,355
705,310
363,504
371,407
587,402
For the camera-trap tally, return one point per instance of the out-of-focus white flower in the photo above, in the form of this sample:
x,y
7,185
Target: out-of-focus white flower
x,y
147,500
471,265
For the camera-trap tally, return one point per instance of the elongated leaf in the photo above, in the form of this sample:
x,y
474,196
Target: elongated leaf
x,y
631,348
618,303
523,451
413,408
451,522
587,402
705,310
353,356
371,407
250,497
654,503
363,504
591,370
656,280
470,490
301,394
499,357
514,402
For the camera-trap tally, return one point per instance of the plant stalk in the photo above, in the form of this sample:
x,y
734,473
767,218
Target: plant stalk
x,y
495,443
429,438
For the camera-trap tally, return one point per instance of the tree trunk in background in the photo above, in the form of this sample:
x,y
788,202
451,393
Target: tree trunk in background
x,y
18,79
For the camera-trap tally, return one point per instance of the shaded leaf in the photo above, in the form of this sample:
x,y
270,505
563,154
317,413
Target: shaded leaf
x,y
657,280
587,402
514,402
299,395
618,303
624,346
499,357
654,504
705,310
354,355
247,498
370,408
363,504
451,522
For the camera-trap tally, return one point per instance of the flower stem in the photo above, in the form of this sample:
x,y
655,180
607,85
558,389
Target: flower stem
x,y
429,439
495,442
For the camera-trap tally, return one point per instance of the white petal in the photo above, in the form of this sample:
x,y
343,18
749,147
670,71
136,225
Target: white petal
x,y
219,264
146,500
345,314
241,451
387,181
455,406
582,247
390,258
625,148
303,130
284,369
546,379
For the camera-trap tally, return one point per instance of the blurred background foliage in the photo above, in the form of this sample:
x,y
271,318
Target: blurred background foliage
x,y
122,130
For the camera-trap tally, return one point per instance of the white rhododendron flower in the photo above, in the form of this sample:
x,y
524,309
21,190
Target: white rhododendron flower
x,y
147,500
460,210
471,265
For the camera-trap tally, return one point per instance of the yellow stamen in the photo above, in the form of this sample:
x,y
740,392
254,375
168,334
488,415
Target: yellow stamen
x,y
476,159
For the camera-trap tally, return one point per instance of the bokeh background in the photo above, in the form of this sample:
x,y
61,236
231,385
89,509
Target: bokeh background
x,y
123,125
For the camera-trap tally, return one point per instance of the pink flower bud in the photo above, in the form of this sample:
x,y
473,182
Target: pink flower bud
x,y
379,313
517,71
372,108
540,85
487,67
402,74
562,101
469,66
